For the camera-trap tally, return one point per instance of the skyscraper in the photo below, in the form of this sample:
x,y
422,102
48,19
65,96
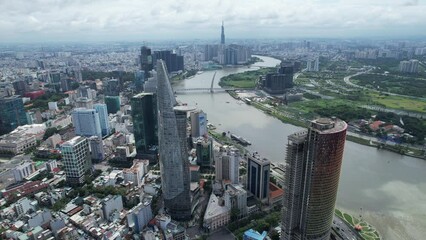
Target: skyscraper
x,y
146,61
172,143
198,123
258,176
86,122
227,165
113,104
76,159
96,149
222,35
313,162
144,114
103,118
12,114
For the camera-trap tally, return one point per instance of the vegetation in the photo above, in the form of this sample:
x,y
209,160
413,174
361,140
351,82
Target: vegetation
x,y
123,76
244,80
410,86
260,222
49,132
42,101
367,232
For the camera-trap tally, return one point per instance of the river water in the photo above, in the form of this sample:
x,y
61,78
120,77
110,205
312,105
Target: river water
x,y
385,188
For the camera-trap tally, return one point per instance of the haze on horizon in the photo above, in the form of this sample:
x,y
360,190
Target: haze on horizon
x,y
136,20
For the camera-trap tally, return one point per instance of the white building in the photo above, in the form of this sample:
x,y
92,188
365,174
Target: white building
x,y
217,214
23,170
86,122
312,65
135,173
51,164
22,138
23,205
411,66
110,205
76,159
53,106
236,197
227,164
139,216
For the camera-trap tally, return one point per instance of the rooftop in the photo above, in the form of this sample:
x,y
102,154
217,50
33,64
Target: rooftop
x,y
214,209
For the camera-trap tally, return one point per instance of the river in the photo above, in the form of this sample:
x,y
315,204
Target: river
x,y
386,189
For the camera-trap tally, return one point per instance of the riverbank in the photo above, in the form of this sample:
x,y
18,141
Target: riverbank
x,y
286,118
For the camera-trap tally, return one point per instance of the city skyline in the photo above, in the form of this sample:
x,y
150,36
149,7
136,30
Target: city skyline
x,y
49,21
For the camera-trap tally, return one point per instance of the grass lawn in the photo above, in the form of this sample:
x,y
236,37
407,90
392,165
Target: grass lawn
x,y
397,102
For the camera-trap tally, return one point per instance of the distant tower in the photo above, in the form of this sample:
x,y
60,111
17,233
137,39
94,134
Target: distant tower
x,y
222,36
103,118
146,60
313,162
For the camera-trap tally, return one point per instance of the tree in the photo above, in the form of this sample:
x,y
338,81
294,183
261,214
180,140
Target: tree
x,y
49,132
235,213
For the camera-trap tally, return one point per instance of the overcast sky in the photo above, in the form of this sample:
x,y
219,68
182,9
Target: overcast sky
x,y
139,20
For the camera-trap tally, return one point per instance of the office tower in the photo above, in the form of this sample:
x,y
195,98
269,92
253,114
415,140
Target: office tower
x,y
198,124
111,87
96,149
139,216
258,177
20,86
76,159
222,35
139,80
313,162
277,83
12,114
227,165
173,162
113,104
86,122
210,52
236,198
146,61
173,61
144,114
204,149
103,118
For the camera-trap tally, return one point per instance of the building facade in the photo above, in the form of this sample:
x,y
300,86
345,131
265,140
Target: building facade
x,y
103,118
313,163
76,159
12,114
86,122
258,177
172,143
144,115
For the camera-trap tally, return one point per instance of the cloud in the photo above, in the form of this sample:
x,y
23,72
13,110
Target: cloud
x,y
140,20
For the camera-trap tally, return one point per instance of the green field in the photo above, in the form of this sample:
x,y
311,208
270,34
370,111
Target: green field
x,y
244,80
398,102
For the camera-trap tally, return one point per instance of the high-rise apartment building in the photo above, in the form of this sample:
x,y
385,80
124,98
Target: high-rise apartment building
x,y
12,114
313,163
258,176
312,65
411,66
76,159
227,165
277,83
174,165
139,216
103,118
144,114
86,122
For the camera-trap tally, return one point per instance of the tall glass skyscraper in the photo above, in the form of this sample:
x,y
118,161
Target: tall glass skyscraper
x,y
172,150
86,122
144,114
12,114
103,118
313,162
